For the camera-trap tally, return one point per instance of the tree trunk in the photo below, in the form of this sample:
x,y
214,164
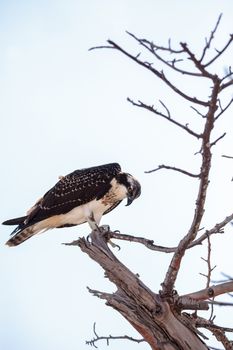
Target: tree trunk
x,y
151,316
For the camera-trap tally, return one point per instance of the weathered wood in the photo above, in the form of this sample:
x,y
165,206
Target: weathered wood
x,y
158,317
151,316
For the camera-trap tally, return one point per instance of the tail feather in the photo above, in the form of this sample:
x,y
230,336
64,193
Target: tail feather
x,y
26,229
21,236
16,221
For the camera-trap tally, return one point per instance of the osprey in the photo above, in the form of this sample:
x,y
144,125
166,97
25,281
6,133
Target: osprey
x,y
81,196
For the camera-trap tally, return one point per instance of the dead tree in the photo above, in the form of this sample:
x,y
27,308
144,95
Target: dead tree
x,y
159,316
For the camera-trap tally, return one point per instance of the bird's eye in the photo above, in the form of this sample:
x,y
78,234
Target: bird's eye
x,y
130,190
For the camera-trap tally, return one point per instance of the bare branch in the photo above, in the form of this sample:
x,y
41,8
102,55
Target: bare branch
x,y
217,331
186,303
220,52
225,156
228,74
227,276
224,109
218,228
211,292
166,109
225,329
229,83
162,166
218,139
208,42
93,341
199,113
220,336
174,266
153,49
209,267
196,62
101,47
220,303
148,243
160,75
165,116
168,49
161,313
136,302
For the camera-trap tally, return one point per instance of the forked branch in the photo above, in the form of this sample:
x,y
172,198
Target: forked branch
x,y
166,116
174,266
208,41
97,338
158,317
143,309
149,243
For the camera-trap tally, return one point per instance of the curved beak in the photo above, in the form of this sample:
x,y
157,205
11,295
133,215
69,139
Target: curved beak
x,y
129,200
132,195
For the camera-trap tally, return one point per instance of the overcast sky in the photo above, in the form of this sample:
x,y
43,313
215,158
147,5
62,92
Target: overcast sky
x,y
63,108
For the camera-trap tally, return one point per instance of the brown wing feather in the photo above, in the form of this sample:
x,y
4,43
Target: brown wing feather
x,y
75,189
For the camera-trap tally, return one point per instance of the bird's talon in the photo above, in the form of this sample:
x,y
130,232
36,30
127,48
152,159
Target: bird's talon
x,y
117,231
117,246
114,245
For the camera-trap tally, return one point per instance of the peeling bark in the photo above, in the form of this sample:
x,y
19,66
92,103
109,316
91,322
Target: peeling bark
x,y
151,316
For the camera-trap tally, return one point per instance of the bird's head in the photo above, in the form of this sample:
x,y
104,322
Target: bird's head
x,y
133,187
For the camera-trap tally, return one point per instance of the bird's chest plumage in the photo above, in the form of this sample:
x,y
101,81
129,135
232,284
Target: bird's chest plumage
x,y
116,193
110,198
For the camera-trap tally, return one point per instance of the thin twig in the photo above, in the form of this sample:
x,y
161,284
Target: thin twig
x,y
227,276
229,83
199,113
166,116
208,42
218,139
217,331
225,156
162,166
101,47
224,109
153,49
160,75
228,75
220,52
220,303
93,341
172,272
209,267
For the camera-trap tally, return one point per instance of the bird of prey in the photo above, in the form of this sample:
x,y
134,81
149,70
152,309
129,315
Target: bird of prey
x,y
81,196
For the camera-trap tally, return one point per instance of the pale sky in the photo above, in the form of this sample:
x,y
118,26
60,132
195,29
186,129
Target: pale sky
x,y
64,108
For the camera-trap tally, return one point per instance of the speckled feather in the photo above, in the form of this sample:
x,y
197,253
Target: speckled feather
x,y
82,196
75,189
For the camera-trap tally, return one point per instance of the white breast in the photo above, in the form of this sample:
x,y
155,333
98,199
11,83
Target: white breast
x,y
81,214
96,208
